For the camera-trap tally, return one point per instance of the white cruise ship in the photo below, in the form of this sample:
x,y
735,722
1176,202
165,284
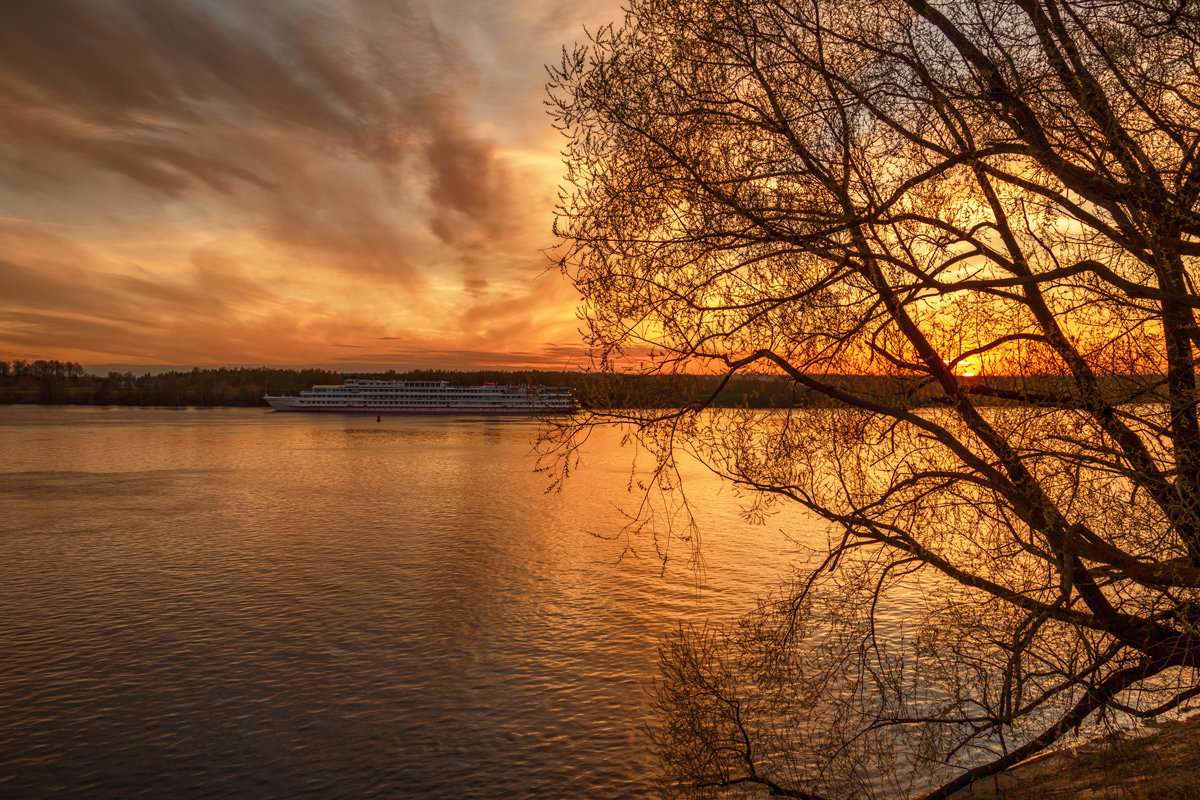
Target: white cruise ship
x,y
429,397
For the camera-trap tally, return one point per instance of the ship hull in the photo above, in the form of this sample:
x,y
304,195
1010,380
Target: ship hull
x,y
417,412
293,404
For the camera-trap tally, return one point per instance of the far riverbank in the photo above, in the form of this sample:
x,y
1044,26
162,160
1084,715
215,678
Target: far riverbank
x,y
67,383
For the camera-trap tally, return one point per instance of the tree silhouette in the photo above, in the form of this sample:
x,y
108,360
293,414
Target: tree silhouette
x,y
992,203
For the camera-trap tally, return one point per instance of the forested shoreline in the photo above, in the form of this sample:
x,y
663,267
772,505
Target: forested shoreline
x,y
67,383
49,382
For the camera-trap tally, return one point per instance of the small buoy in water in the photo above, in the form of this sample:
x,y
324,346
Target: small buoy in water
x,y
379,419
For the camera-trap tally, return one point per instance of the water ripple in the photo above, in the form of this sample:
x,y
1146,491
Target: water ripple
x,y
243,604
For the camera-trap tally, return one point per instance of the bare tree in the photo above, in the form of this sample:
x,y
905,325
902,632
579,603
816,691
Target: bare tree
x,y
991,204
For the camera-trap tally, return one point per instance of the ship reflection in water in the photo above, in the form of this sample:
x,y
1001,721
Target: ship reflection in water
x,y
235,603
430,397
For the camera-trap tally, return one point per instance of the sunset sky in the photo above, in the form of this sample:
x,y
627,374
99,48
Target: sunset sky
x,y
364,183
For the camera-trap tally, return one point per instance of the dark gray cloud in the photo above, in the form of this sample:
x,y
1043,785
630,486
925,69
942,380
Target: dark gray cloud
x,y
178,95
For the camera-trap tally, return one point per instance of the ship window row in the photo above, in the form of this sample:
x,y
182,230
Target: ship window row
x,y
390,392
418,398
364,401
477,392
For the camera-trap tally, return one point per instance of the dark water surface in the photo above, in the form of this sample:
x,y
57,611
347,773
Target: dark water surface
x,y
246,604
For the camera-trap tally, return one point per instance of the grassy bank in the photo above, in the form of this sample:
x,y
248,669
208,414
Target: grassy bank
x,y
1158,762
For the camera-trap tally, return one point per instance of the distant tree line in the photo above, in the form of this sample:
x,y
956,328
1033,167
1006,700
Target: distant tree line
x,y
45,380
55,382
66,382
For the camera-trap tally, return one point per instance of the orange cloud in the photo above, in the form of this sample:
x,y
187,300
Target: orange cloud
x,y
193,183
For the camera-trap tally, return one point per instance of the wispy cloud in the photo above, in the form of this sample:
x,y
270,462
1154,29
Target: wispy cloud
x,y
190,182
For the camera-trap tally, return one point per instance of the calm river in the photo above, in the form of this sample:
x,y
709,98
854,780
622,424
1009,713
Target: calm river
x,y
248,604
